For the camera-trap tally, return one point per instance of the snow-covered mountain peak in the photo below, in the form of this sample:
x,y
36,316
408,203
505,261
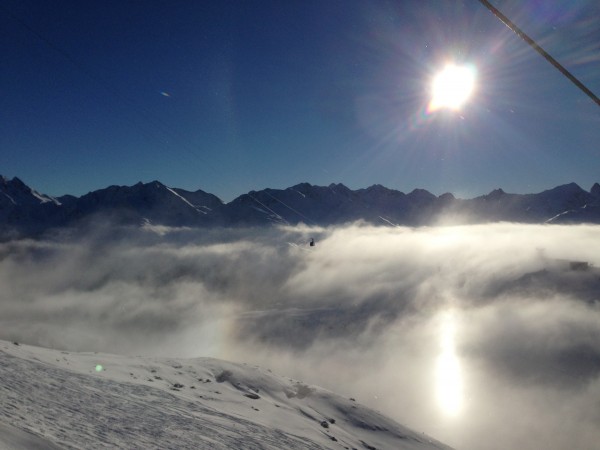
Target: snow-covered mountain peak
x,y
447,197
19,193
421,195
150,185
496,193
339,188
566,189
302,187
378,189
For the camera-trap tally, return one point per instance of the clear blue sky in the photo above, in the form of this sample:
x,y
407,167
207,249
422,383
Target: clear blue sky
x,y
233,95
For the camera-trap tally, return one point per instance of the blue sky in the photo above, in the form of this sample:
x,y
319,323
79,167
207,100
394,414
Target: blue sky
x,y
229,96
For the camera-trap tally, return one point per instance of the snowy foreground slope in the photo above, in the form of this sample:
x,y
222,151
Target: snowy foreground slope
x,y
52,399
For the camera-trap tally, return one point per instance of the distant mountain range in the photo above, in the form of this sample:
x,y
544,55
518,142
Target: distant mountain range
x,y
26,212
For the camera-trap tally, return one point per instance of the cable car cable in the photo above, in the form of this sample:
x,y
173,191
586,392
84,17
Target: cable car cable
x,y
540,50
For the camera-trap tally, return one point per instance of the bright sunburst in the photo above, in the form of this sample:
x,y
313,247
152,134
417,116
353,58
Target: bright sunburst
x,y
452,87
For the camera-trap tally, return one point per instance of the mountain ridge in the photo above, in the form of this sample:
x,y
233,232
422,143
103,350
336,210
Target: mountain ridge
x,y
26,212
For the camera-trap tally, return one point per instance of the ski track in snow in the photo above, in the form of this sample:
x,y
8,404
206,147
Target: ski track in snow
x,y
152,403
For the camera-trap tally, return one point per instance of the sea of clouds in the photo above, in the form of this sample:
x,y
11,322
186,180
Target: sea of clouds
x,y
483,336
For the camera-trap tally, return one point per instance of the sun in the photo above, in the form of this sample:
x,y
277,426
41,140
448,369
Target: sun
x,y
452,87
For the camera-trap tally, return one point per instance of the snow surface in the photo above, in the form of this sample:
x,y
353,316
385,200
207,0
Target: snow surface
x,y
185,201
44,198
15,438
54,399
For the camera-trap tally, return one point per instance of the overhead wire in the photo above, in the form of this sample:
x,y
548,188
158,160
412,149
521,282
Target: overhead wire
x,y
514,28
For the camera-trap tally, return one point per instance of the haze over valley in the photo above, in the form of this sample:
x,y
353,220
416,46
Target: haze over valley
x,y
482,336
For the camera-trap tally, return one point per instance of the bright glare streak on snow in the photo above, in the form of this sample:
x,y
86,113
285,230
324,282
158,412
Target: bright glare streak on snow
x,y
448,375
452,87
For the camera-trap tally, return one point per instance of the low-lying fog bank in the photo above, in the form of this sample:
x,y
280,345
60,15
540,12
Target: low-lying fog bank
x,y
478,335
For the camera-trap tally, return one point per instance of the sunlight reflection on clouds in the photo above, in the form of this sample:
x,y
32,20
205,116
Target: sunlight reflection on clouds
x,y
448,370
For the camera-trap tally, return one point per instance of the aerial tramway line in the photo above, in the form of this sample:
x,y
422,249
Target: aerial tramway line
x,y
514,28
